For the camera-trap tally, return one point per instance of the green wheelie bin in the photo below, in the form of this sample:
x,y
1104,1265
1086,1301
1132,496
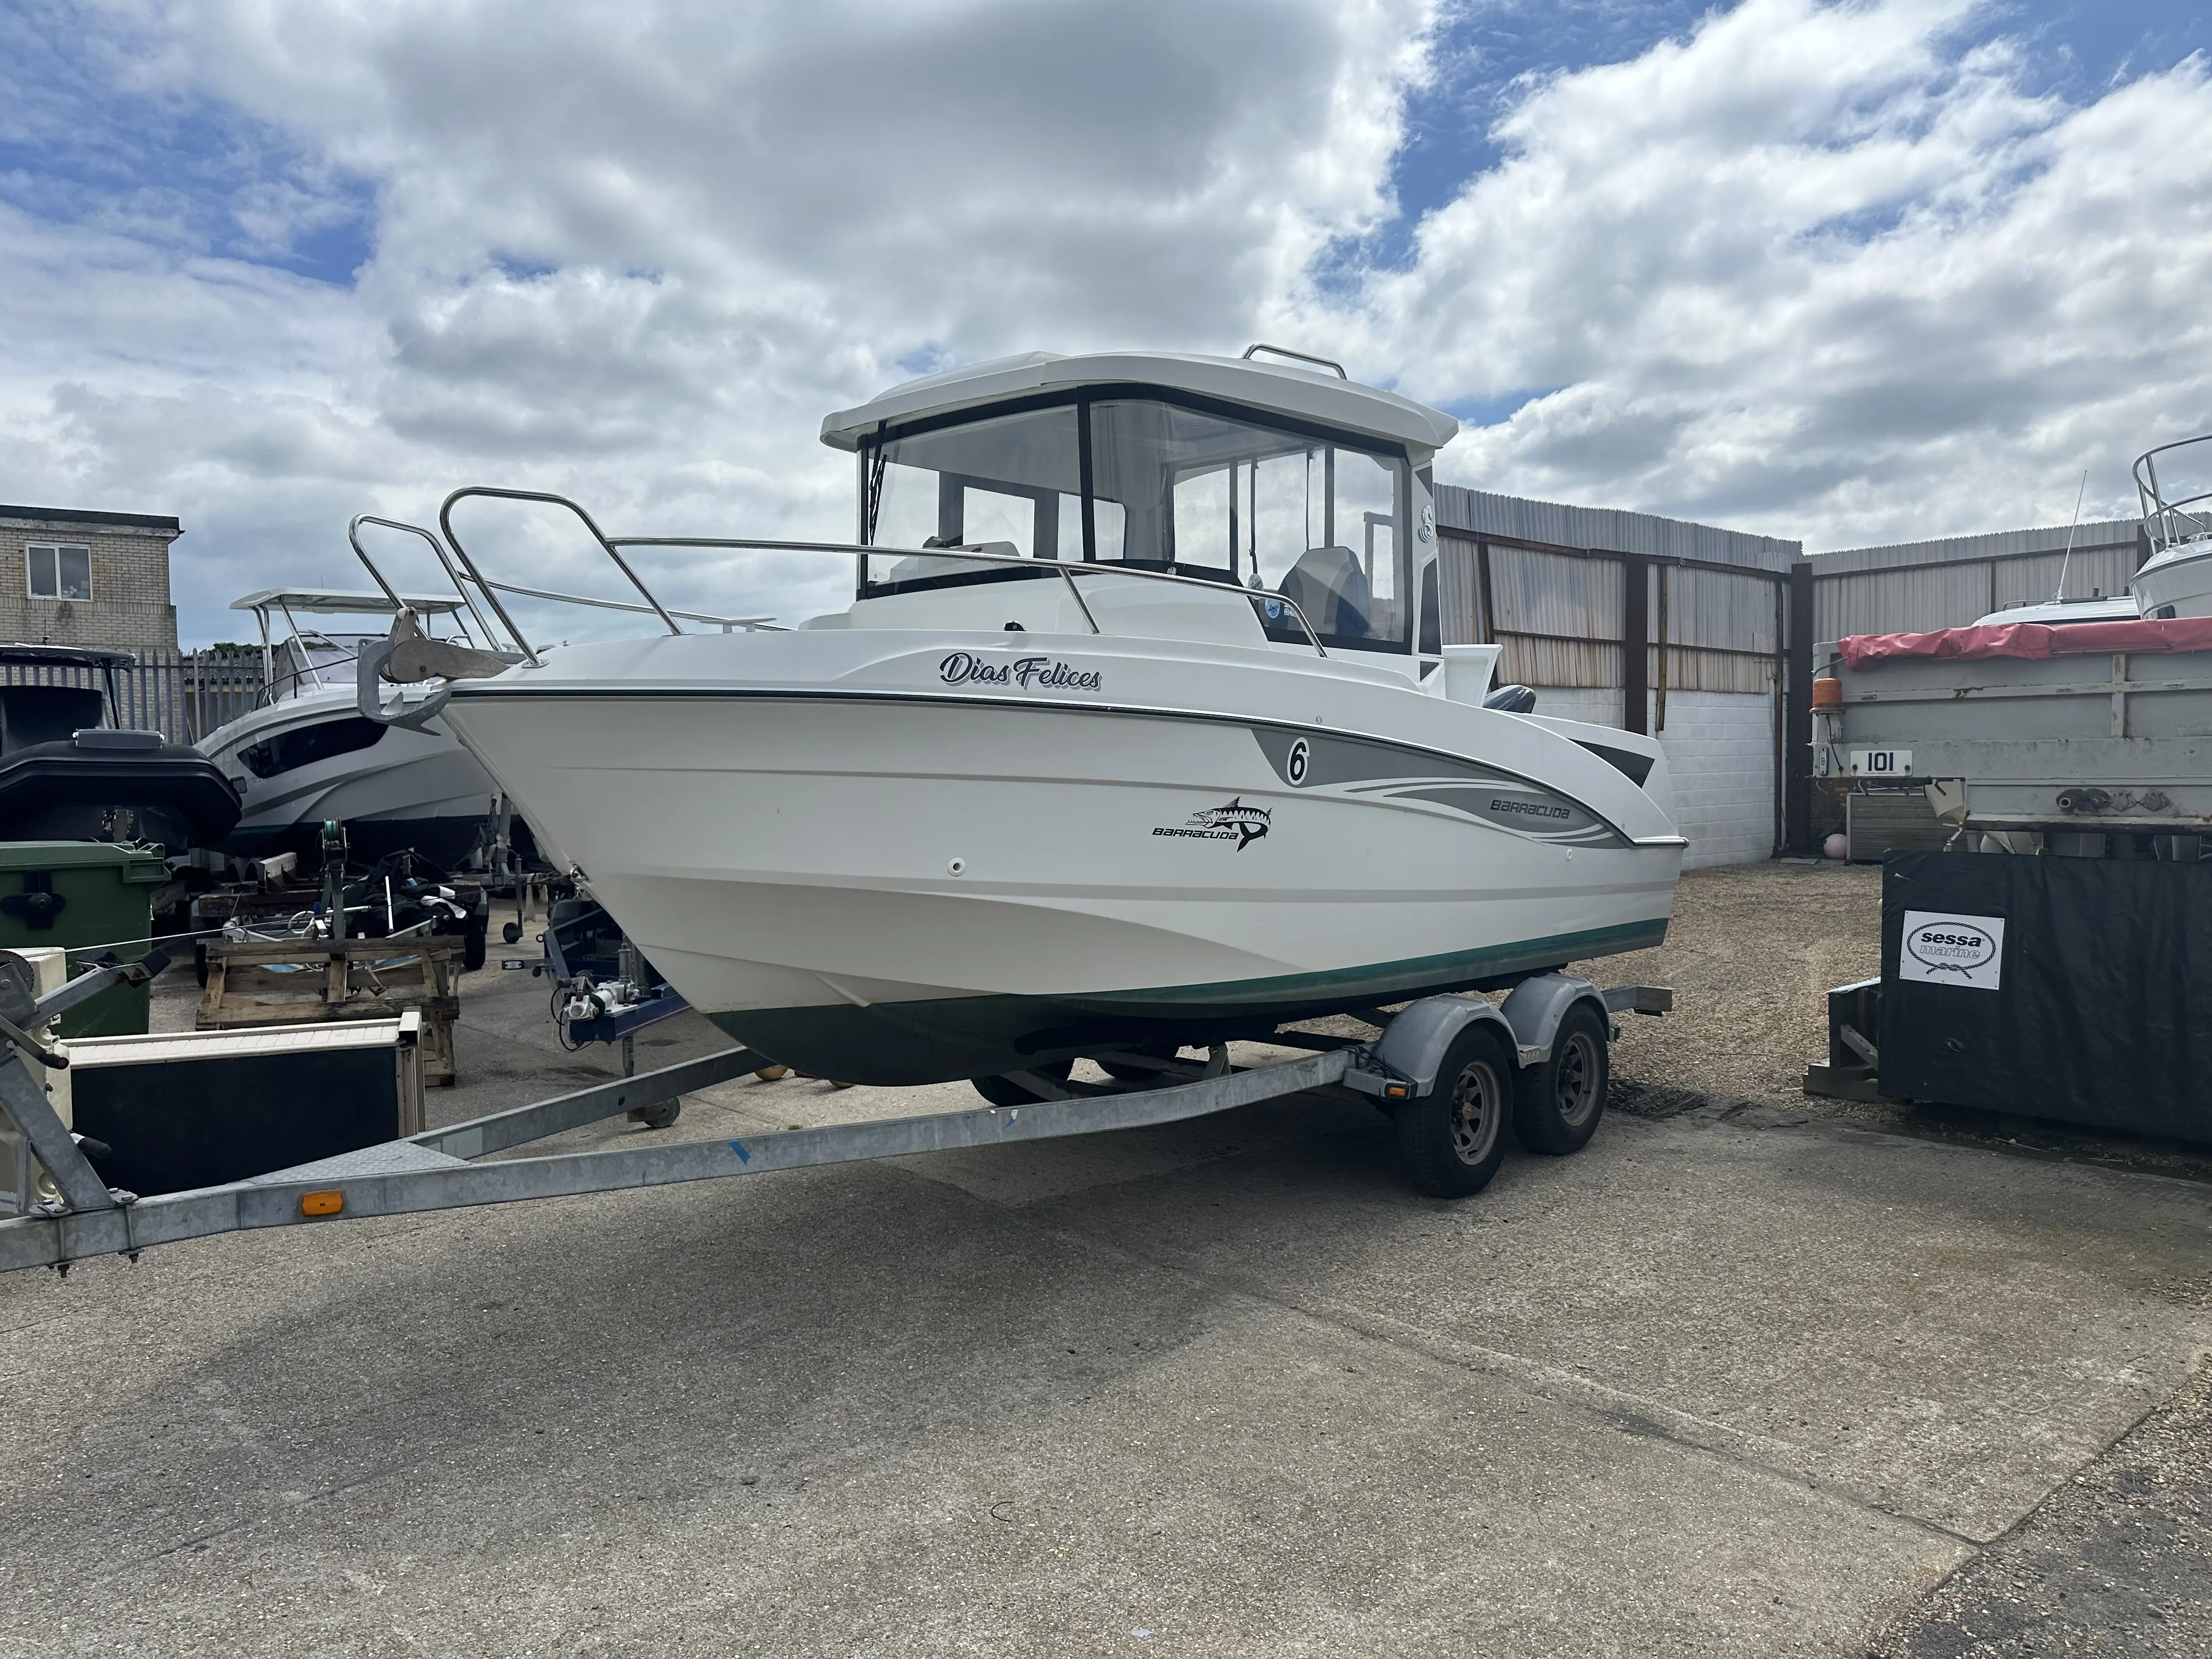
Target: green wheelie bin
x,y
80,893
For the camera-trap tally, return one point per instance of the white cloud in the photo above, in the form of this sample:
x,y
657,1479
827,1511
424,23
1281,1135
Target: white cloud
x,y
1823,272
636,252
1828,271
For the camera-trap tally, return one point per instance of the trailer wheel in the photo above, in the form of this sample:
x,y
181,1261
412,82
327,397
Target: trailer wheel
x,y
1453,1139
1563,1099
659,1115
472,949
1005,1092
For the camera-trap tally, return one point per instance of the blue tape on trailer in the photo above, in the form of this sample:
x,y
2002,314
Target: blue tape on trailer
x,y
738,1147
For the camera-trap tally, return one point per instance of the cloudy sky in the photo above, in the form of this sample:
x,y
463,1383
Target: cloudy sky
x,y
1840,272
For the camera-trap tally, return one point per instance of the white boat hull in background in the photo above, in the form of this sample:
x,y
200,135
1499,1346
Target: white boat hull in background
x,y
2176,581
409,788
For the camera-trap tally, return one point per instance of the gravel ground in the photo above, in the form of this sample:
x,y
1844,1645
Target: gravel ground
x,y
1751,954
2111,1562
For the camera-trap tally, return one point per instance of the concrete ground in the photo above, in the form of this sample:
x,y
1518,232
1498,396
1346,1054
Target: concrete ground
x,y
1739,1380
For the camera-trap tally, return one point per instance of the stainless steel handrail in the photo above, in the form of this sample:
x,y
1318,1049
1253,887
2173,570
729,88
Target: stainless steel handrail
x,y
445,562
2169,516
446,525
1067,570
1301,356
724,622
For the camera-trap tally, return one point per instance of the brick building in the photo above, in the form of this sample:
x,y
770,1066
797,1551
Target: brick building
x,y
82,578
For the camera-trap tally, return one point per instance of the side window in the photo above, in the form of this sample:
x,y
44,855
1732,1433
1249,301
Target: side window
x,y
1205,518
1109,521
304,745
1367,522
993,515
54,572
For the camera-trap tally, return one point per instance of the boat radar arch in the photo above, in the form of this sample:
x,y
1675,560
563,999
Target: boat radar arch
x,y
1315,396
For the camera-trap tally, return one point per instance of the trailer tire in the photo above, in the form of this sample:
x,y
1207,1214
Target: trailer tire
x,y
1453,1139
472,949
1005,1092
1563,1099
659,1115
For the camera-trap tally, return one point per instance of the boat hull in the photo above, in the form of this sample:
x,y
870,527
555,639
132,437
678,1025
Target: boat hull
x,y
407,789
896,889
2176,582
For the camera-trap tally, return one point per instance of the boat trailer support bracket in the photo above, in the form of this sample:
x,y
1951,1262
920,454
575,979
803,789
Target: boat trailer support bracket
x,y
25,1101
53,1145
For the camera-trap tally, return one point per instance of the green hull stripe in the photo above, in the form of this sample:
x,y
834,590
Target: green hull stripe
x,y
1456,967
947,1038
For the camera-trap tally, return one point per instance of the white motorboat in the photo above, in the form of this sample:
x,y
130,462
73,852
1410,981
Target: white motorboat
x,y
306,755
1138,732
2176,581
2062,613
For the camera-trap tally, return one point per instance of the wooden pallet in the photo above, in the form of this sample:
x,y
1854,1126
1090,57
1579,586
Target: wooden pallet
x,y
302,982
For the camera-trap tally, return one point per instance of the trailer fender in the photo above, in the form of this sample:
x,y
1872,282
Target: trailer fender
x,y
1537,1006
1414,1046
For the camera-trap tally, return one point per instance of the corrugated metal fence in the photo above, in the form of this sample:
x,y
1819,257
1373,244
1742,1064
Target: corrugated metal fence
x,y
1713,609
182,695
1913,586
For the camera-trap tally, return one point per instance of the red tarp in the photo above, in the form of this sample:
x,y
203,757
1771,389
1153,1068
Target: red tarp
x,y
2033,639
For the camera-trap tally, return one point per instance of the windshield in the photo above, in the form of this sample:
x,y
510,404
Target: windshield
x,y
315,658
1169,488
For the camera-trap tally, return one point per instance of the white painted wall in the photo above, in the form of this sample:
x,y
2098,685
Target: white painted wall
x,y
1720,748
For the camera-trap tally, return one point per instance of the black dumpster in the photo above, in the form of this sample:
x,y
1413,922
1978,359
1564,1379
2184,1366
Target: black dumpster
x,y
2079,989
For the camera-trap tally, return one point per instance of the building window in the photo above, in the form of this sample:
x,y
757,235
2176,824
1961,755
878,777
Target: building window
x,y
59,573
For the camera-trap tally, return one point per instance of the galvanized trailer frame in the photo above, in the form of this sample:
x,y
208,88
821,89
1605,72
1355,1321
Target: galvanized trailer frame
x,y
434,1170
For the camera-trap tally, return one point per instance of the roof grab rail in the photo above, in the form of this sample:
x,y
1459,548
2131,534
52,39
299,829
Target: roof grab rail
x,y
1301,357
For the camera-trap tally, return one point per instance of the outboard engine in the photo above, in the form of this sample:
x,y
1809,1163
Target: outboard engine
x,y
1511,700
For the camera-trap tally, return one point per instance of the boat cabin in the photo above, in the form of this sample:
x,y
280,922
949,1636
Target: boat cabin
x,y
1283,481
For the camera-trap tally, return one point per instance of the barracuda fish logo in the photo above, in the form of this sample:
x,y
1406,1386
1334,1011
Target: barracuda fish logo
x,y
1235,821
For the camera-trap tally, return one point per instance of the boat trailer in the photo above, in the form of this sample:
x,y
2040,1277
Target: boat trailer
x,y
444,1168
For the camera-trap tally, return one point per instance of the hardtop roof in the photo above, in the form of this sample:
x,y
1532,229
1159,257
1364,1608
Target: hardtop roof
x,y
67,656
332,602
1311,395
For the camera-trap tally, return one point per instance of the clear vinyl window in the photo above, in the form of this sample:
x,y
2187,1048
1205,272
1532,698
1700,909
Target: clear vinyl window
x,y
1172,489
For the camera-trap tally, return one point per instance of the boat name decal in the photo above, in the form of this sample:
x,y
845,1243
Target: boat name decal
x,y
1235,821
1045,674
1531,808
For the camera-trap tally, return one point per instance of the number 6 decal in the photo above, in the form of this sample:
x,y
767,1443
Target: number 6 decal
x,y
1297,764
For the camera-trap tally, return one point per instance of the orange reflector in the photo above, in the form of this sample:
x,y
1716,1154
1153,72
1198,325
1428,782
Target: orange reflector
x,y
1827,693
322,1203
1395,1091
